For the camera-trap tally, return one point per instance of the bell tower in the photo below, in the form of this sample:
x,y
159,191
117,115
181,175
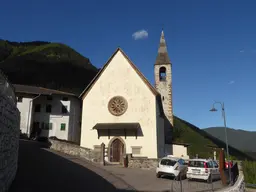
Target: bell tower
x,y
163,78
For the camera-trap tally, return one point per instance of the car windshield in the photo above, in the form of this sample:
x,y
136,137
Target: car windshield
x,y
168,162
196,164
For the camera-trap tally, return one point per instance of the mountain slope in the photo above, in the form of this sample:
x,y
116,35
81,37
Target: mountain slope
x,y
57,66
201,142
240,139
50,65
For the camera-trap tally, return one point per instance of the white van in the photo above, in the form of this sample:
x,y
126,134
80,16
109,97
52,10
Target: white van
x,y
203,169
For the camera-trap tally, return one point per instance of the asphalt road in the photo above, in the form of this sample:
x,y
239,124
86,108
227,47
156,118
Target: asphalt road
x,y
145,180
40,170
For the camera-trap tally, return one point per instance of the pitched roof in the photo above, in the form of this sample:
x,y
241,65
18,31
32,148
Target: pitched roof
x,y
88,88
162,56
38,90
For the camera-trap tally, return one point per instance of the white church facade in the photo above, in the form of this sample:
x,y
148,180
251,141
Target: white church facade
x,y
125,112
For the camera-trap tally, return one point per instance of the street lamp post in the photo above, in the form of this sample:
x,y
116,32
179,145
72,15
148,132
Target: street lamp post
x,y
226,136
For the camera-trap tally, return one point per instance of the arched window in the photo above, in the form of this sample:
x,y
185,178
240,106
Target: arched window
x,y
162,74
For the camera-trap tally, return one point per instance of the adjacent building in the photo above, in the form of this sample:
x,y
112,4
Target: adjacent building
x,y
55,113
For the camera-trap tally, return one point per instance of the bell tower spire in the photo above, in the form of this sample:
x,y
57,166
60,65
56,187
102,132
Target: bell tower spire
x,y
163,78
162,55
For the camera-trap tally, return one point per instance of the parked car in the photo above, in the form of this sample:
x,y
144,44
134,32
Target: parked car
x,y
171,166
230,164
203,169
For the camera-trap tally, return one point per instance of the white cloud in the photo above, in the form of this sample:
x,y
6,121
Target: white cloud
x,y
231,82
241,51
141,34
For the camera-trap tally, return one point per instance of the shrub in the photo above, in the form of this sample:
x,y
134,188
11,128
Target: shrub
x,y
249,169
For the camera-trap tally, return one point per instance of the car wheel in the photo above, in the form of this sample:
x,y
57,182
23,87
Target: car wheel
x,y
158,175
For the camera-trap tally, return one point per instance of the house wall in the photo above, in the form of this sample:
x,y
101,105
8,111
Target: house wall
x,y
72,118
176,150
75,120
180,151
25,108
168,149
120,79
160,133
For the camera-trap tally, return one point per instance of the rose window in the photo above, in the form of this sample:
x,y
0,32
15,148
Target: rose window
x,y
117,105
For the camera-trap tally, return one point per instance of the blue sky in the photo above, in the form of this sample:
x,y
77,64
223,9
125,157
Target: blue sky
x,y
212,45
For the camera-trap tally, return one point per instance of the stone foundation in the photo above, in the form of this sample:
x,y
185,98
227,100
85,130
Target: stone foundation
x,y
75,150
142,163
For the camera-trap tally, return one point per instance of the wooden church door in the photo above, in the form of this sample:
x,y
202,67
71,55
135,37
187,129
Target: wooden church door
x,y
116,152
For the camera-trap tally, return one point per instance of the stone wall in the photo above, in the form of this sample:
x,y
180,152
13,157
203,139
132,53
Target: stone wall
x,y
142,163
75,150
9,134
239,186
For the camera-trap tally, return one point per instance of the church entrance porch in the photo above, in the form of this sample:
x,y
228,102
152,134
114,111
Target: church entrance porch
x,y
115,135
116,150
118,129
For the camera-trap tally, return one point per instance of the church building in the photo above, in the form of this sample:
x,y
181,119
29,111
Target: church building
x,y
125,112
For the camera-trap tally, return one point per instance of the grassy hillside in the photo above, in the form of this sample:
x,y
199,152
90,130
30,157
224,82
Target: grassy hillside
x,y
201,142
50,65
